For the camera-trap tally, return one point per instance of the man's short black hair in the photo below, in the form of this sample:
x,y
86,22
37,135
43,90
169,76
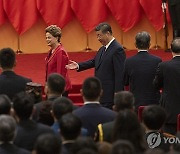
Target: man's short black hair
x,y
5,104
91,88
56,83
7,58
104,27
153,117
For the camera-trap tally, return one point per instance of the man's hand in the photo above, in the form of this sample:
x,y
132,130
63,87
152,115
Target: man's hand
x,y
72,65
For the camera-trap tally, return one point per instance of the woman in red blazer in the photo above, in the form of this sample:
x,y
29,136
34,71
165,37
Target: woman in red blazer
x,y
57,57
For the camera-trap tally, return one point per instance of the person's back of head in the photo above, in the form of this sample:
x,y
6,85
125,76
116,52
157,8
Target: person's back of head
x,y
153,117
83,142
142,40
61,106
5,104
175,45
122,147
7,128
47,144
123,100
23,105
55,84
70,126
91,89
7,58
128,127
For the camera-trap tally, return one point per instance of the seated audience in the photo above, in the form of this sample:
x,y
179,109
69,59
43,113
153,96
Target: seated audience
x,y
122,100
27,129
5,104
127,127
70,128
47,144
10,82
7,134
92,113
153,118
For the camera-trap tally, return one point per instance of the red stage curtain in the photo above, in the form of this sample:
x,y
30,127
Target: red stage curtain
x,y
153,11
127,13
90,12
57,12
2,15
21,13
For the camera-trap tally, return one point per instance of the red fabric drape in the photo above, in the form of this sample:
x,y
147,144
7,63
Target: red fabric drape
x,y
21,13
57,12
127,13
153,11
90,12
2,14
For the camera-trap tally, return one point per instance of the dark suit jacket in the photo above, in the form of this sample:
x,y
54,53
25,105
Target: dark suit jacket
x,y
139,74
7,148
109,70
173,2
27,133
11,83
93,114
167,78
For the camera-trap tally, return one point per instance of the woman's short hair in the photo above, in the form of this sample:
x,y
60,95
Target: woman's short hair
x,y
54,30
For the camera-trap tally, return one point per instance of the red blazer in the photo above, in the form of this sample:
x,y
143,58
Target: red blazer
x,y
56,63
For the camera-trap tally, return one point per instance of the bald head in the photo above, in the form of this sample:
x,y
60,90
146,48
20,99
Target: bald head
x,y
142,40
175,45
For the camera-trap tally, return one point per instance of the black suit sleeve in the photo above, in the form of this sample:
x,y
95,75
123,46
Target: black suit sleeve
x,y
86,65
158,81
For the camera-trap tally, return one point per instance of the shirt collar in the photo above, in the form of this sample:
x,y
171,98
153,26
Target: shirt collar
x,y
176,56
143,50
92,102
109,43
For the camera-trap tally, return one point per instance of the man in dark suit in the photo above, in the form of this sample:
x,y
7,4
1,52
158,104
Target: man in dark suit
x,y
7,134
174,10
108,63
168,77
140,72
10,82
92,113
27,130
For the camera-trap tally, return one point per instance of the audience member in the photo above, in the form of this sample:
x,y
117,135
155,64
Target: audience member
x,y
92,113
122,147
5,104
153,118
122,100
104,147
47,144
127,127
10,82
167,77
140,72
27,129
7,134
70,128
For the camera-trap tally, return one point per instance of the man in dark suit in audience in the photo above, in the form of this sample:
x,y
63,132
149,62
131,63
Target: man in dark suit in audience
x,y
7,134
10,82
108,64
27,130
174,10
140,72
168,77
123,100
92,113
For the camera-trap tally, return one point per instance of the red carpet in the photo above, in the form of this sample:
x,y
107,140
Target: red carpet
x,y
33,66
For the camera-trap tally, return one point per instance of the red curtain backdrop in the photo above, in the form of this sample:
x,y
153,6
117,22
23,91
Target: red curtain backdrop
x,y
57,12
90,12
2,15
127,13
22,14
153,11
